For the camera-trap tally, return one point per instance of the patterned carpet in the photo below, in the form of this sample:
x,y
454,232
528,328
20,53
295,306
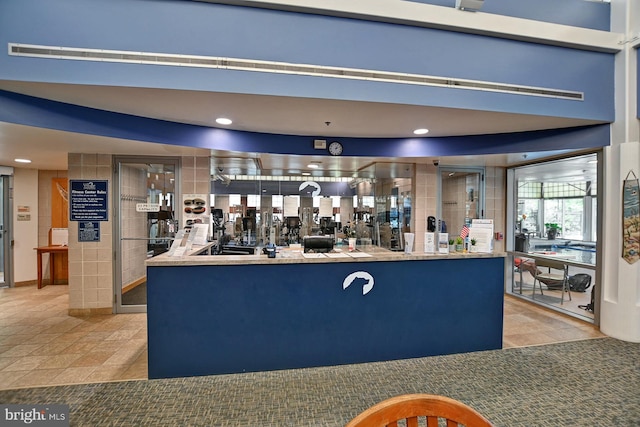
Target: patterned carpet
x,y
593,382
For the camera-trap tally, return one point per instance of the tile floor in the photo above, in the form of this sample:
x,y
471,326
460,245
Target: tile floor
x,y
41,345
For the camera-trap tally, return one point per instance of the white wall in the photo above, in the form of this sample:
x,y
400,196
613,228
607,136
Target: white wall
x,y
25,233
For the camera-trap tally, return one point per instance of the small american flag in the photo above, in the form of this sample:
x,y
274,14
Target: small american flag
x,y
464,232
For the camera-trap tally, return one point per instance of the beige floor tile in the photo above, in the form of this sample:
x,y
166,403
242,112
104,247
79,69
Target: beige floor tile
x,y
50,349
135,372
15,339
11,379
96,336
26,363
6,361
40,377
124,334
21,350
59,361
74,375
106,373
71,336
93,358
80,347
43,338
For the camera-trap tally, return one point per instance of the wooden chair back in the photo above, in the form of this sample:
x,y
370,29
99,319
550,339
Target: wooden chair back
x,y
413,407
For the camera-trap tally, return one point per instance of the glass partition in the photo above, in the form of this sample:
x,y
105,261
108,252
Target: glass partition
x,y
554,216
259,207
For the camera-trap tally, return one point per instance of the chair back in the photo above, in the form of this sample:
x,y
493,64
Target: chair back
x,y
413,407
550,263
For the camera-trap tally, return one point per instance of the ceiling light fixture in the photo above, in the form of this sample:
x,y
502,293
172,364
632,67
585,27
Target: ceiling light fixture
x,y
313,165
306,173
22,160
421,131
223,121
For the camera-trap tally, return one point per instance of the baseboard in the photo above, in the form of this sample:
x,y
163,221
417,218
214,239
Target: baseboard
x,y
133,284
81,312
25,283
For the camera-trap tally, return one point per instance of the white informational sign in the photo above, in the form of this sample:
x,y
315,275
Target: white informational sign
x,y
482,231
429,242
178,247
326,207
443,243
147,207
290,206
199,233
60,236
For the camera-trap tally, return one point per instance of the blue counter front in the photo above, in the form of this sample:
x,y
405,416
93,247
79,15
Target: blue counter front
x,y
216,319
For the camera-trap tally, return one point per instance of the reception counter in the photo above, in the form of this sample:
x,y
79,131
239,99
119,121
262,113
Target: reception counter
x,y
239,313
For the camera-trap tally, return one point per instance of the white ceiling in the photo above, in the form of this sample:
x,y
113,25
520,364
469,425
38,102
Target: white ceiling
x,y
297,116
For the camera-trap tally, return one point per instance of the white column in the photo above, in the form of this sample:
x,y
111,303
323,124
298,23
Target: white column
x,y
620,287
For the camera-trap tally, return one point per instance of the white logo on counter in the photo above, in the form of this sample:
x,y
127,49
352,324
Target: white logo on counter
x,y
366,288
311,184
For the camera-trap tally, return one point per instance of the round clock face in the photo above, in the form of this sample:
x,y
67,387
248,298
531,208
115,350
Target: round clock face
x,y
335,148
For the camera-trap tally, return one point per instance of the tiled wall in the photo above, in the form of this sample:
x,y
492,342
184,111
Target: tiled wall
x,y
495,202
424,201
196,175
90,263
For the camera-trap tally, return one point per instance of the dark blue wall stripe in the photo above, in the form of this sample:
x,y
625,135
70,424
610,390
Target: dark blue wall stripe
x,y
30,111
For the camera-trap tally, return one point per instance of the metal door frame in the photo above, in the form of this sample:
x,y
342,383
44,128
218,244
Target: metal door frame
x,y
117,208
6,226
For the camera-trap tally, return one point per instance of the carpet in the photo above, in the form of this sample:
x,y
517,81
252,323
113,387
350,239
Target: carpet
x,y
592,382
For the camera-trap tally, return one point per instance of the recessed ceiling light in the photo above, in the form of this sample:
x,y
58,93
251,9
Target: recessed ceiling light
x,y
22,160
314,165
223,121
421,131
306,173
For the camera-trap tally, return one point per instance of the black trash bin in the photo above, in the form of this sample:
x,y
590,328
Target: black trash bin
x,y
522,243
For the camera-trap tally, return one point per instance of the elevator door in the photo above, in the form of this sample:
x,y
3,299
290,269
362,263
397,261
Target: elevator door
x,y
146,224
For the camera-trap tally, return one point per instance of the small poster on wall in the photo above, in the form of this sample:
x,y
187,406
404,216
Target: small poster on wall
x,y
195,210
630,219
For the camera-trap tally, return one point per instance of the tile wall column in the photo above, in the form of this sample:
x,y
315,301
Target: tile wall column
x,y
424,201
91,263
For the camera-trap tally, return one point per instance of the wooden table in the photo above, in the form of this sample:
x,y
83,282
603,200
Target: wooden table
x,y
52,251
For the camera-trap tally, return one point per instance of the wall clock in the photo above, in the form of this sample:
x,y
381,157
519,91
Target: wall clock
x,y
335,148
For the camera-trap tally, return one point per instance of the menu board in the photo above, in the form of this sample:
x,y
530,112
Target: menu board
x,y
326,207
88,200
290,206
482,231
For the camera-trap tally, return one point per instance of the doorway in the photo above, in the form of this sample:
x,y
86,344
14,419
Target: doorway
x,y
146,223
6,276
553,212
461,192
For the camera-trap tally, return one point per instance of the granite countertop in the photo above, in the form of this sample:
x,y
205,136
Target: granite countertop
x,y
286,256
